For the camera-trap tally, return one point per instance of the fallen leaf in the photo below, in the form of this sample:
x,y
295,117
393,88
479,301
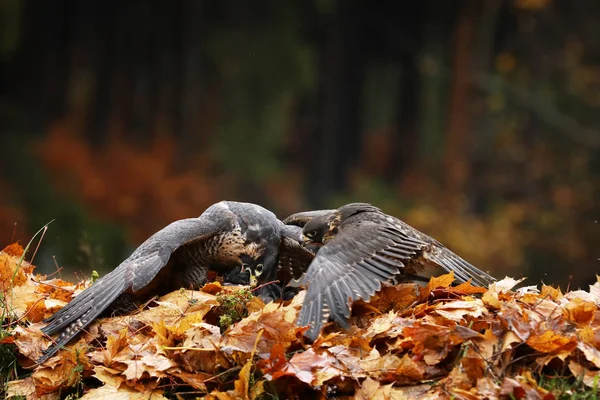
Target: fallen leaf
x,y
590,378
591,353
550,342
457,310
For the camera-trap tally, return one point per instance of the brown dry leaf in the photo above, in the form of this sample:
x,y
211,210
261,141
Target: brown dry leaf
x,y
457,310
255,304
304,366
376,365
14,250
153,364
590,378
122,393
114,344
190,320
242,383
494,294
40,310
409,368
580,311
432,342
551,292
395,298
50,378
199,350
11,274
173,307
591,353
195,380
21,298
467,288
212,288
30,341
550,342
524,387
373,390
388,325
60,290
277,323
442,281
590,336
22,387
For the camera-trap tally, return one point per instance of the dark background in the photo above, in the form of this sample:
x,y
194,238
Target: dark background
x,y
475,121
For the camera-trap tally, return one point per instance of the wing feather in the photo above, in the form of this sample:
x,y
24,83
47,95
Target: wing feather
x,y
132,274
352,266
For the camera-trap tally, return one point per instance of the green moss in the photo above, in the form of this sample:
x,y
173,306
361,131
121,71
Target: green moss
x,y
232,307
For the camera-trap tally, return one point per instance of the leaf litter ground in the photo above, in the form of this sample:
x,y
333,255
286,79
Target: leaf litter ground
x,y
409,341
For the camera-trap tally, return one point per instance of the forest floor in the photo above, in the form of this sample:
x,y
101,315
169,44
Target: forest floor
x,y
433,342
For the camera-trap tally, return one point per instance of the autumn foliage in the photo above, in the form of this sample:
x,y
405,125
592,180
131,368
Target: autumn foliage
x,y
409,341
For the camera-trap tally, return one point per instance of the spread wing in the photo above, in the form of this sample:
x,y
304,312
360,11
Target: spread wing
x,y
444,258
301,218
352,266
132,274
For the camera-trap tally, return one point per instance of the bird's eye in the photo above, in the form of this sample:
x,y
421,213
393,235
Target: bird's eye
x,y
311,234
258,270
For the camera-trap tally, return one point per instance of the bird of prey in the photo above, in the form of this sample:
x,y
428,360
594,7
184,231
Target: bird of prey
x,y
229,238
362,247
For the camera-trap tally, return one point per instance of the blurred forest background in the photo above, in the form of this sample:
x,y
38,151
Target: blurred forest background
x,y
477,122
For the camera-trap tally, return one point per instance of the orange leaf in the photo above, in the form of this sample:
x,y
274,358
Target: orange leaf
x,y
549,342
442,281
14,249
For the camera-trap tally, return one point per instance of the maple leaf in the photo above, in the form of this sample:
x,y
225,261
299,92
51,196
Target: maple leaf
x,y
66,372
550,342
373,390
436,282
591,353
524,387
304,366
432,342
14,250
467,288
580,311
30,341
200,350
277,324
457,310
590,378
389,325
494,294
23,388
115,388
395,298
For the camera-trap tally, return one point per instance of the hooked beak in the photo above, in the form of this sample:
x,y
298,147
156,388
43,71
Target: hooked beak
x,y
305,240
253,280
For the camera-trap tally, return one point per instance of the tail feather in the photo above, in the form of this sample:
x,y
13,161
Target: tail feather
x,y
110,285
86,313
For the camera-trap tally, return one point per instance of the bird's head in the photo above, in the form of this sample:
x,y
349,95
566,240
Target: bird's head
x,y
320,230
257,268
254,266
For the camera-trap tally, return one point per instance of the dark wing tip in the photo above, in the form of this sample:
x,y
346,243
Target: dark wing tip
x,y
463,270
